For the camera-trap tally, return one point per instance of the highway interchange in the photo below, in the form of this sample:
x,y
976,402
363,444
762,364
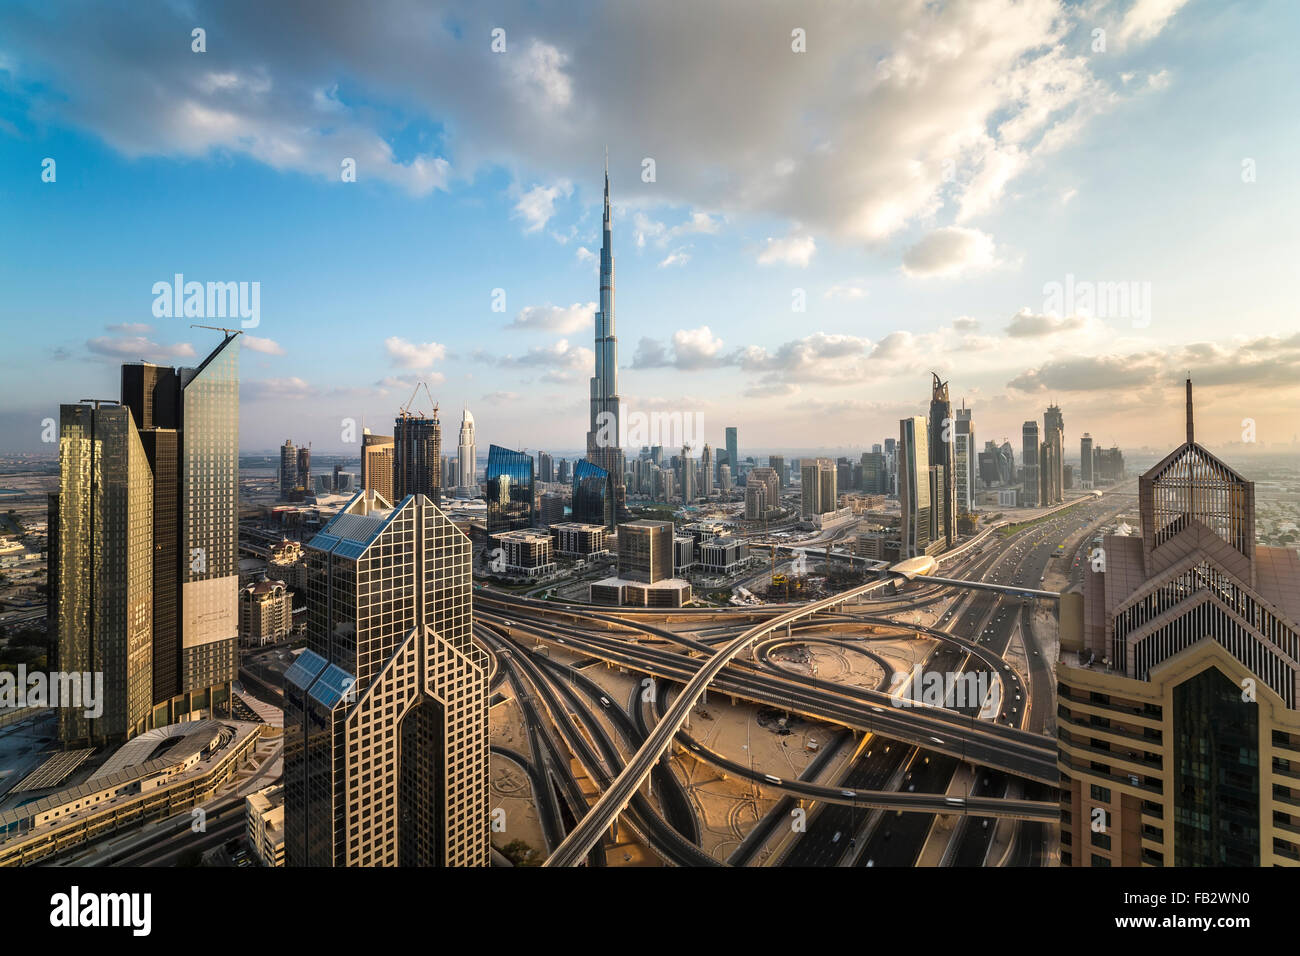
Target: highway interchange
x,y
903,768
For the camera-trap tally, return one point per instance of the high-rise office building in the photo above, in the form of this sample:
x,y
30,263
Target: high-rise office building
x,y
545,467
386,710
417,456
844,475
777,464
1029,462
762,493
817,482
942,438
1178,728
1007,463
304,466
467,455
1053,470
914,486
706,471
604,435
148,499
565,471
733,454
645,551
873,473
965,460
288,468
377,463
593,495
1085,461
101,545
510,490
724,478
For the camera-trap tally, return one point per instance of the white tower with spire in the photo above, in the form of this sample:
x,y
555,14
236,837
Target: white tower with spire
x,y
466,480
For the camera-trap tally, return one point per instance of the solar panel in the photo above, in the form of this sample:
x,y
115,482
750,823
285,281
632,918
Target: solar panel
x,y
331,686
305,669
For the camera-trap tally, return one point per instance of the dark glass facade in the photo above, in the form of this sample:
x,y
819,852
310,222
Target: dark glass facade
x,y
1216,773
593,494
509,490
417,458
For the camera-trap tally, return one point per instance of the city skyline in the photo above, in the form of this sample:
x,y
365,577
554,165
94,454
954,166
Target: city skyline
x,y
928,259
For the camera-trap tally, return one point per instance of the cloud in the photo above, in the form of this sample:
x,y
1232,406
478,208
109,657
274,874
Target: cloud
x,y
291,389
845,290
857,142
555,318
539,76
950,251
404,354
1146,18
790,251
131,328
265,346
501,398
1027,325
561,355
537,206
585,255
135,347
690,349
965,323
678,257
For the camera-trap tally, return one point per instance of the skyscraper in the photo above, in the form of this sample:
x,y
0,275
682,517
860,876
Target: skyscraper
x,y
1029,461
965,460
1053,469
706,472
510,490
1178,729
914,486
593,495
386,726
147,505
942,436
101,528
817,486
1085,461
304,467
777,464
545,467
288,468
466,477
377,463
733,456
604,435
417,456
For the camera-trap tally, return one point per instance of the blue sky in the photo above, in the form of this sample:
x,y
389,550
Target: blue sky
x,y
921,172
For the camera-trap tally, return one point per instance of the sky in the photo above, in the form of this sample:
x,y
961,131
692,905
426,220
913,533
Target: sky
x,y
814,207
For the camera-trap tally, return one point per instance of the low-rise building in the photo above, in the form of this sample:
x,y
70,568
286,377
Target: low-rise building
x,y
264,815
265,613
724,555
527,551
579,539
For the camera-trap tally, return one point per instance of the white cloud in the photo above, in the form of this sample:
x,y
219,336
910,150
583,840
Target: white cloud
x,y
793,250
406,354
1146,18
846,290
265,346
537,206
950,251
555,318
540,77
585,255
678,257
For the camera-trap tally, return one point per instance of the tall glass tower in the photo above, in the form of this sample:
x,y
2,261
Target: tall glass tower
x,y
603,448
385,711
510,490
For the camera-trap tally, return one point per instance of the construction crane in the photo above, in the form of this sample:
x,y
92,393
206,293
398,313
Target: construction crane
x,y
217,328
406,409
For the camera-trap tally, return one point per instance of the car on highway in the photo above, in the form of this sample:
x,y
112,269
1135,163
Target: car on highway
x,y
768,776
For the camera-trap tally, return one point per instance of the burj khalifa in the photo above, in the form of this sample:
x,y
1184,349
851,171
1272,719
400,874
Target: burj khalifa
x,y
603,447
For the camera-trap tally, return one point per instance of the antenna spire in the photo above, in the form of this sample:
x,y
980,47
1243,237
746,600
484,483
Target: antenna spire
x,y
1190,433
